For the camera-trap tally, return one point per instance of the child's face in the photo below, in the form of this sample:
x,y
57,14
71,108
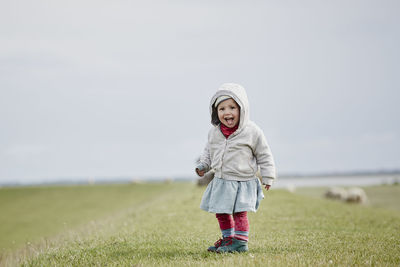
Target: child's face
x,y
228,113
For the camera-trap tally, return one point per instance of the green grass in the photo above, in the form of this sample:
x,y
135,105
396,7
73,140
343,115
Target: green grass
x,y
165,227
33,213
384,196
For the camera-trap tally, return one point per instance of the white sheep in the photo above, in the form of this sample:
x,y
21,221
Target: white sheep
x,y
336,193
356,195
291,188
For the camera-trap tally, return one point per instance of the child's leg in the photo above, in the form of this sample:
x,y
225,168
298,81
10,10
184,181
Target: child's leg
x,y
226,224
239,242
241,225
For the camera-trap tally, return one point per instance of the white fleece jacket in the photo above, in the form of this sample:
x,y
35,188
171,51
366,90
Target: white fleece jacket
x,y
239,156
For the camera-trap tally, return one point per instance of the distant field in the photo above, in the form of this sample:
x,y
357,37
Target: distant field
x,y
161,224
383,196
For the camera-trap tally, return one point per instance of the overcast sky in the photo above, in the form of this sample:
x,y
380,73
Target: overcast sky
x,y
122,88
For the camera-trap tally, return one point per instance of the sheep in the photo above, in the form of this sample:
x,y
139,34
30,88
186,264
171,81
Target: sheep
x,y
291,188
336,193
356,195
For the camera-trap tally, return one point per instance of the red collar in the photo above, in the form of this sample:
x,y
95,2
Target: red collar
x,y
226,131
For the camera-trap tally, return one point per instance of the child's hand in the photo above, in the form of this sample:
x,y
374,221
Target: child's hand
x,y
199,173
267,186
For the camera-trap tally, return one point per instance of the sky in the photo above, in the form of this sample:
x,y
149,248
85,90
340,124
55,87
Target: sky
x,y
122,88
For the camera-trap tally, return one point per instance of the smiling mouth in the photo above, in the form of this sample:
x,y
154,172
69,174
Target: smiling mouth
x,y
229,120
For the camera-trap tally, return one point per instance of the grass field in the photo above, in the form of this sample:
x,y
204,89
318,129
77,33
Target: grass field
x,y
161,224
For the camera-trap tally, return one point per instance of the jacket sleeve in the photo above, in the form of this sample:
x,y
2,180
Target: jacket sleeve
x,y
264,159
205,160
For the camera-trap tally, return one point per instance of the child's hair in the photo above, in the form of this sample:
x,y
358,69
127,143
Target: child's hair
x,y
214,116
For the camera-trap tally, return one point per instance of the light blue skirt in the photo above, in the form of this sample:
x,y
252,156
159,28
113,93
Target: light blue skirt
x,y
227,196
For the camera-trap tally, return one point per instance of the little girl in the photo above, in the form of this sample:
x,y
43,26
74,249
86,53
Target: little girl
x,y
235,150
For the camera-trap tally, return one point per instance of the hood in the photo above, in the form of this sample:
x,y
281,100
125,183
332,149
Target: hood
x,y
238,93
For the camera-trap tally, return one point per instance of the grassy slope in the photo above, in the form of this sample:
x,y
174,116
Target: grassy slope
x,y
289,229
32,213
